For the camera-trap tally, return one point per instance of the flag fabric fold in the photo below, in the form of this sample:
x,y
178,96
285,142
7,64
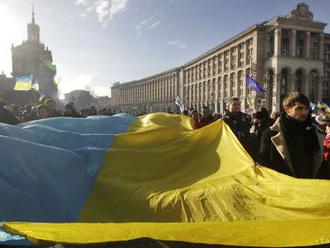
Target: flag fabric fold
x,y
151,176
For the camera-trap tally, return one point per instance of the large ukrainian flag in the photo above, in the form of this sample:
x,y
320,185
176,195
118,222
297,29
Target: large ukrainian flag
x,y
119,178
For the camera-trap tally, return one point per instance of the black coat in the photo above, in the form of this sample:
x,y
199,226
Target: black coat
x,y
240,125
274,153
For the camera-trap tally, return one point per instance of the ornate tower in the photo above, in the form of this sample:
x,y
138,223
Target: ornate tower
x,y
33,29
33,58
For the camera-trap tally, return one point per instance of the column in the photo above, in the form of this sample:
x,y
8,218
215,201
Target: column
x,y
277,41
320,89
216,92
207,91
246,49
238,50
244,90
308,84
198,95
190,95
293,42
221,84
276,92
321,46
238,85
229,59
308,45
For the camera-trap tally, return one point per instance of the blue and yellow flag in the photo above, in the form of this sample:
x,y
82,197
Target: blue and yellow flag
x,y
24,83
253,84
105,179
35,85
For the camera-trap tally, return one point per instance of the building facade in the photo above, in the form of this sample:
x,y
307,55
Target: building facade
x,y
34,58
152,94
283,54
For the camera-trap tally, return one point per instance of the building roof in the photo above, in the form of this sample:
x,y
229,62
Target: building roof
x,y
147,78
225,43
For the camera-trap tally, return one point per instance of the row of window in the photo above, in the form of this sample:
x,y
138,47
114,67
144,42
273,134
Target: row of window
x,y
300,43
163,90
229,84
232,58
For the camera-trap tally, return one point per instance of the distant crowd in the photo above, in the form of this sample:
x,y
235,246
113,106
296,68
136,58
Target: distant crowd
x,y
46,108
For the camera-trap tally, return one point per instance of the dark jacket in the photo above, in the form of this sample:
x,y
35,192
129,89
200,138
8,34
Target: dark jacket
x,y
204,121
240,124
274,152
256,132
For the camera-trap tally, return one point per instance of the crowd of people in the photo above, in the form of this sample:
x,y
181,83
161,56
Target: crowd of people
x,y
295,142
46,108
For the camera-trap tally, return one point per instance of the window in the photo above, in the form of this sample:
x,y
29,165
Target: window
x,y
299,81
315,45
300,44
271,44
285,42
314,86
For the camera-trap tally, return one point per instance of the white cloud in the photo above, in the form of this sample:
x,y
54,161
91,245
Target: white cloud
x,y
118,6
177,43
82,2
104,9
145,24
155,24
139,28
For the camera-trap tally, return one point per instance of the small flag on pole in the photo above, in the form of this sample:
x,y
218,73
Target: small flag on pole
x,y
179,103
253,84
35,85
312,105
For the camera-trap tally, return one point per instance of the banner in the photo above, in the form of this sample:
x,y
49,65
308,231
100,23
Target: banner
x,y
23,83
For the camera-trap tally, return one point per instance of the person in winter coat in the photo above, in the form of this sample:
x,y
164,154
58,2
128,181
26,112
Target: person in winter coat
x,y
294,144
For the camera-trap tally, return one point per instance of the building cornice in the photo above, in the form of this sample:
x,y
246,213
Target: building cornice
x,y
225,43
126,84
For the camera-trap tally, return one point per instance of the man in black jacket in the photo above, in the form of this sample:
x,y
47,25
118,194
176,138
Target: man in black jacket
x,y
239,123
293,145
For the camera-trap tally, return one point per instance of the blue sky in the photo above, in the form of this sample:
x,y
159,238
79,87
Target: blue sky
x,y
97,42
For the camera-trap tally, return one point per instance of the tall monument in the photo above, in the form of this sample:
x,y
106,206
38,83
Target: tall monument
x,y
33,58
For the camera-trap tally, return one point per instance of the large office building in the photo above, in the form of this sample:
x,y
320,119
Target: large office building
x,y
283,54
